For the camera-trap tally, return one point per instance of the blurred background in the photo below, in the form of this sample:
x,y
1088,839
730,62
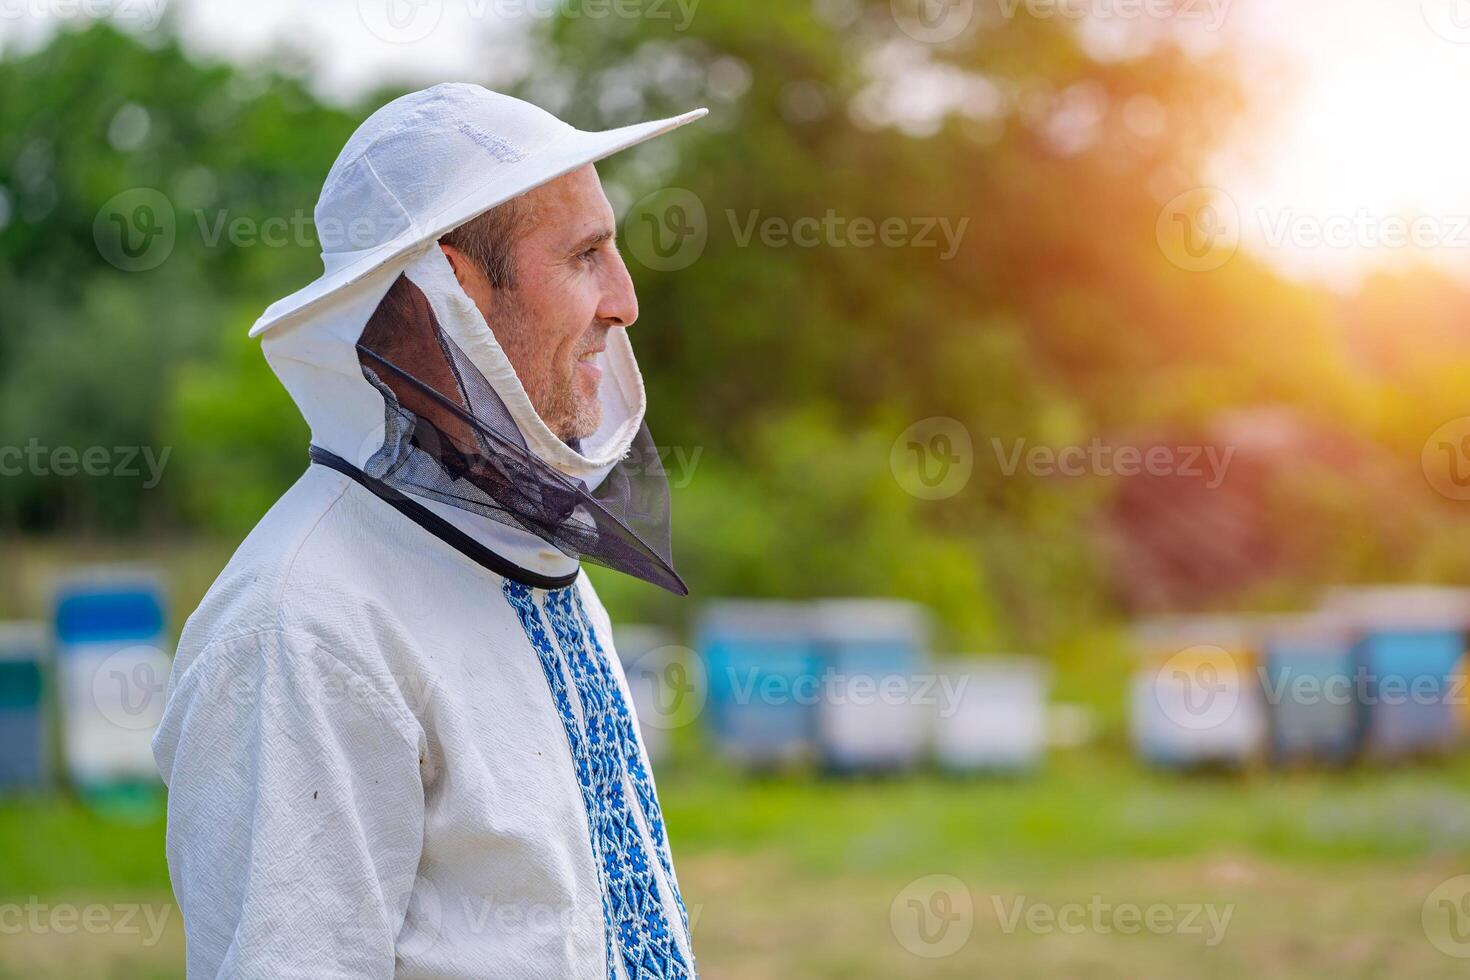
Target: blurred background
x,y
1065,404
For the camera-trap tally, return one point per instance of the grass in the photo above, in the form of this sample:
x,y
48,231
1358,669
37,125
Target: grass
x,y
1322,875
1306,875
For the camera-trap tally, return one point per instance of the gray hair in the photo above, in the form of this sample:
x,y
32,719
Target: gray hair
x,y
488,240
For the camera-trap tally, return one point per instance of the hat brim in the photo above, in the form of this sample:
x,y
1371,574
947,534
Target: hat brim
x,y
563,155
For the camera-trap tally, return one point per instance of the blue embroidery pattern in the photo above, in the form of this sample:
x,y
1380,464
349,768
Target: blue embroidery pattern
x,y
628,739
519,597
602,753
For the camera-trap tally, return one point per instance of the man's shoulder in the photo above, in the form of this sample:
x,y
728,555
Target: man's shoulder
x,y
292,573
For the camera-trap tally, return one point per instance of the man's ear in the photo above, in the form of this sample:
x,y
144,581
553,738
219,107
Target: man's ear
x,y
463,268
472,279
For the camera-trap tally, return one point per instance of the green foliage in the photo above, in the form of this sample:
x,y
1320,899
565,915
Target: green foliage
x,y
92,354
789,370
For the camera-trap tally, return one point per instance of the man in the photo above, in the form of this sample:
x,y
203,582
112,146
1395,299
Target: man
x,y
397,740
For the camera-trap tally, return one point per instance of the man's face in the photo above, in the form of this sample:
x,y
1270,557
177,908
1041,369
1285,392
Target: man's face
x,y
571,289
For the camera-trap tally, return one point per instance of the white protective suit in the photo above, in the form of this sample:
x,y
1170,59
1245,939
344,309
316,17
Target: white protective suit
x,y
394,750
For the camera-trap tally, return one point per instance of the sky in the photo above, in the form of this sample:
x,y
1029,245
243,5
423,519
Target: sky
x,y
1364,165
1370,135
353,44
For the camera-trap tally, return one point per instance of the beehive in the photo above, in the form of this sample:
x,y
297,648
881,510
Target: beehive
x,y
992,714
22,707
762,672
873,655
1195,697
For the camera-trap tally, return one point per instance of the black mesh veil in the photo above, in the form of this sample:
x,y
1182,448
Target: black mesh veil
x,y
450,438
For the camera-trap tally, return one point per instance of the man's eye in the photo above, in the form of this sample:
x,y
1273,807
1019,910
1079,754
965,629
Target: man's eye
x,y
589,254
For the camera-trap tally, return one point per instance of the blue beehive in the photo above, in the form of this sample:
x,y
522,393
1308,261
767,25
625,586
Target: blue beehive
x,y
871,716
111,671
1308,680
762,674
22,707
1409,641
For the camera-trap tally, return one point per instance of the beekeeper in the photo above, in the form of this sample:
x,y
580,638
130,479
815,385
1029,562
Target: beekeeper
x,y
397,739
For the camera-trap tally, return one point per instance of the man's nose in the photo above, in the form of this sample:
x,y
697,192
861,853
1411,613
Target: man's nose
x,y
619,305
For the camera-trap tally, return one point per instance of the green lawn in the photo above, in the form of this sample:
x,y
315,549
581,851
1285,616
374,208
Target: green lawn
x,y
1320,874
1094,868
